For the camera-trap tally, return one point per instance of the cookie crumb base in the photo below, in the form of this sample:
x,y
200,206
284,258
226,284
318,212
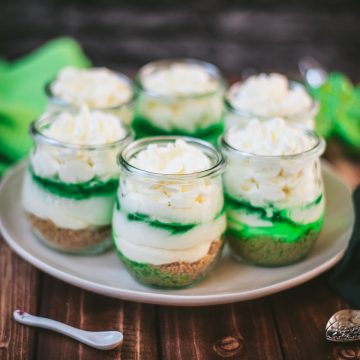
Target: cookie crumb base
x,y
270,251
175,275
85,241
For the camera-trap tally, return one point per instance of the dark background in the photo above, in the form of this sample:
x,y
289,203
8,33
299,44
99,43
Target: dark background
x,y
261,34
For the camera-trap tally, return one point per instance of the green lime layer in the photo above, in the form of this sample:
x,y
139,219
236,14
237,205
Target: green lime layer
x,y
284,231
172,228
143,127
77,191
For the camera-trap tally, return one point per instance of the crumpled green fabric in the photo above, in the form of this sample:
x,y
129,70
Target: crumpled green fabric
x,y
22,97
339,113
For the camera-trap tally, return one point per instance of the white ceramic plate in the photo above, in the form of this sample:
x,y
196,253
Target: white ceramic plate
x,y
230,281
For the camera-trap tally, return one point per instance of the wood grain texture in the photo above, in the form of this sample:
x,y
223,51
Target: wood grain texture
x,y
89,311
301,315
233,35
235,331
19,288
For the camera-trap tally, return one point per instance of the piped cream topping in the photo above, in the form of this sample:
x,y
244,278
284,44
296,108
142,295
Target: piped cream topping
x,y
181,201
179,79
86,128
268,178
96,87
273,137
74,165
174,158
269,95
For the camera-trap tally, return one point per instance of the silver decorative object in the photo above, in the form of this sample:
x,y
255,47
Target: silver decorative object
x,y
344,326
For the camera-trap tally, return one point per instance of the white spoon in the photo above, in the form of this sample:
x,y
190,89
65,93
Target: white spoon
x,y
103,340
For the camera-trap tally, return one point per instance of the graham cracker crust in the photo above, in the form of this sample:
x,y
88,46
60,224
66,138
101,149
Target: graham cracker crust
x,y
68,240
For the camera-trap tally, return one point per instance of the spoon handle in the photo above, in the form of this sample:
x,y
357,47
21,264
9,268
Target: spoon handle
x,y
45,323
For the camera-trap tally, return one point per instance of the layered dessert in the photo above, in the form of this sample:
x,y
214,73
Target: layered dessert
x,y
270,95
98,88
273,190
179,97
169,218
70,187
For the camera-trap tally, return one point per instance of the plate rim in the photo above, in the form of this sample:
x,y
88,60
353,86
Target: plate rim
x,y
163,298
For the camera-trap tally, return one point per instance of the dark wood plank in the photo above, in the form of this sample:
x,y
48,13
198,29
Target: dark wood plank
x,y
235,37
301,315
90,311
19,286
235,331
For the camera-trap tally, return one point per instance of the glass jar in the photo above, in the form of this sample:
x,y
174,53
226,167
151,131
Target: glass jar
x,y
234,115
124,111
168,229
274,204
69,190
198,114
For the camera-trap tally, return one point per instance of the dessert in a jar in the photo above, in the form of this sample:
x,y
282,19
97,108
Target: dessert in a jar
x,y
169,219
98,88
179,97
270,95
273,191
70,186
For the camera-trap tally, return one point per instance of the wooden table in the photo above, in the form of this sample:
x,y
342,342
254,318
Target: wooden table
x,y
288,325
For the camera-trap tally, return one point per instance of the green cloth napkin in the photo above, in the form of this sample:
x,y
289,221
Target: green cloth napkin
x,y
339,111
22,97
345,278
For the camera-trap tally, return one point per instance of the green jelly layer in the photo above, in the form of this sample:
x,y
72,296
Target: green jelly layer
x,y
282,227
77,191
173,228
284,231
143,128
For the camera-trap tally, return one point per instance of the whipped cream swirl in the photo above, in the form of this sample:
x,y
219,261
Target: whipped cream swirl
x,y
260,175
72,164
179,79
95,87
183,201
268,96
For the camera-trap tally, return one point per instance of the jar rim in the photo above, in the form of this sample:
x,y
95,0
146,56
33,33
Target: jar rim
x,y
316,150
247,114
60,102
38,136
136,146
210,68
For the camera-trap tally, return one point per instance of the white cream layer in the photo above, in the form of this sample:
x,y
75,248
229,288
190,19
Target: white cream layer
x,y
74,165
95,87
190,114
282,182
66,213
140,233
298,215
187,115
145,244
